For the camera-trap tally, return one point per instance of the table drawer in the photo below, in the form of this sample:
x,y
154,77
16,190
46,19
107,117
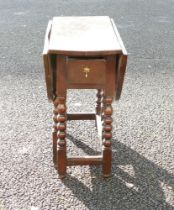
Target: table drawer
x,y
86,71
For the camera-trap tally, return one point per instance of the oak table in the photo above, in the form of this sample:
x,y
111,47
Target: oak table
x,y
83,53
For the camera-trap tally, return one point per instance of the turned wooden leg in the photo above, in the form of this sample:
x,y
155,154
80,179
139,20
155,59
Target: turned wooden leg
x,y
107,136
98,102
61,128
54,133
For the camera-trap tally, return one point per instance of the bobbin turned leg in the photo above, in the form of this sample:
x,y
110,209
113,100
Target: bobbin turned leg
x,y
54,133
107,136
98,102
61,128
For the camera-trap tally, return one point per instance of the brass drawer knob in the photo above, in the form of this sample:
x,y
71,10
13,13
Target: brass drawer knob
x,y
86,70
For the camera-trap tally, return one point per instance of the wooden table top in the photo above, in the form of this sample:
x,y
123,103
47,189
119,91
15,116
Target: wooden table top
x,y
84,36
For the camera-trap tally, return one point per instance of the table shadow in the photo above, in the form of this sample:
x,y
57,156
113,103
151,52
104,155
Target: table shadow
x,y
136,183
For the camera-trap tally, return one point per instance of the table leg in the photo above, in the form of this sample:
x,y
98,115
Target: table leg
x,y
98,102
61,127
54,133
107,136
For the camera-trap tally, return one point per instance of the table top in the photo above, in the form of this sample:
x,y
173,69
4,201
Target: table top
x,y
84,35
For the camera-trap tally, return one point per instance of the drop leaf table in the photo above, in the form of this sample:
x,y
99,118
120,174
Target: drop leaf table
x,y
83,53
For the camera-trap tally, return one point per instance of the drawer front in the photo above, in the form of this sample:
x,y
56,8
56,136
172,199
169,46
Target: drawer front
x,y
86,71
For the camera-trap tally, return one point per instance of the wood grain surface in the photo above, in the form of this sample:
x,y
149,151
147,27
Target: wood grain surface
x,y
84,35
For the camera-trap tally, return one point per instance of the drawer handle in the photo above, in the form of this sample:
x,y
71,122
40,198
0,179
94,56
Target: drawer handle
x,y
86,70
